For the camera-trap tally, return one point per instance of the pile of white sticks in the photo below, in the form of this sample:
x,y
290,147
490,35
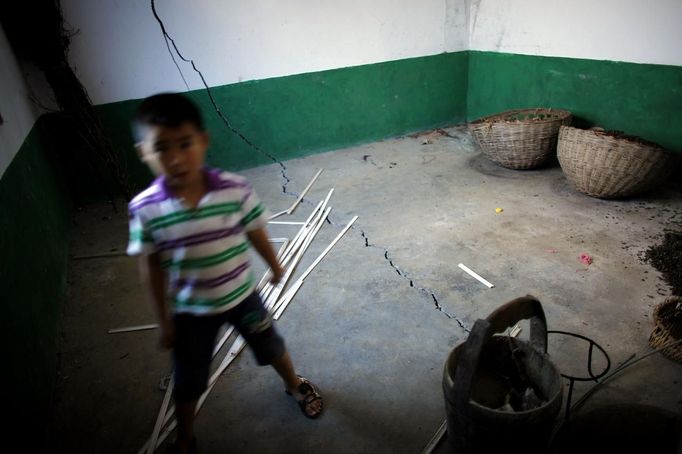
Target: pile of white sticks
x,y
274,297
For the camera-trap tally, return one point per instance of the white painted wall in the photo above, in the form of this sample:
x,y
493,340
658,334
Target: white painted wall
x,y
640,31
119,52
16,108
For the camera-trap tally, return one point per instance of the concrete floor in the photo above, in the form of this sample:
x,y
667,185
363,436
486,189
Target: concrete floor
x,y
365,326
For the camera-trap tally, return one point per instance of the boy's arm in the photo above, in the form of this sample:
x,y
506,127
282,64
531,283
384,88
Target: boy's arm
x,y
259,239
154,278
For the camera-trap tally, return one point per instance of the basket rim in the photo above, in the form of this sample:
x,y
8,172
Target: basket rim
x,y
624,138
500,117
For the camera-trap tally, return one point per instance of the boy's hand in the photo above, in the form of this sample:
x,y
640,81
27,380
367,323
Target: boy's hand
x,y
277,274
167,335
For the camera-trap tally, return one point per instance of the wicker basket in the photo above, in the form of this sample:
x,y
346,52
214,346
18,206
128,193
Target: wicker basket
x,y
605,165
519,139
668,327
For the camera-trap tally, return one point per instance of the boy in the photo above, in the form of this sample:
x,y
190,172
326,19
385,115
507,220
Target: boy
x,y
192,228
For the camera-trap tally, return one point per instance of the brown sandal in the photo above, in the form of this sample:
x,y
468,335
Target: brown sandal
x,y
310,394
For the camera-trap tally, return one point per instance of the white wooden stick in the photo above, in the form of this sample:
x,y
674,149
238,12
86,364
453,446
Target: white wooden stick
x,y
305,191
291,264
278,240
297,239
280,286
475,276
328,248
132,328
312,221
276,215
428,449
306,235
300,237
290,249
285,300
286,222
161,416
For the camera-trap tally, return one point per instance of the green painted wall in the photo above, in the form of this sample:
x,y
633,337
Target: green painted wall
x,y
639,99
302,114
34,225
297,115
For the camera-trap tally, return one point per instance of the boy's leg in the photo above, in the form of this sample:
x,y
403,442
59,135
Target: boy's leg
x,y
184,411
194,340
293,382
285,369
254,322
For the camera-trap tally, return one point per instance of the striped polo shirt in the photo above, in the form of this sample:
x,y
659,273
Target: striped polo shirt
x,y
203,250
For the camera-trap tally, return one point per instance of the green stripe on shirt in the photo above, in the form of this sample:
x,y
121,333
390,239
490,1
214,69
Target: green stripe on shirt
x,y
140,236
204,262
222,301
253,214
199,213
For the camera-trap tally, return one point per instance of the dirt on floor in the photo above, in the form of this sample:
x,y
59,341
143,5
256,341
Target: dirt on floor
x,y
666,257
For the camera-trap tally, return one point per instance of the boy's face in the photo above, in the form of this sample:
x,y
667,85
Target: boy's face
x,y
178,153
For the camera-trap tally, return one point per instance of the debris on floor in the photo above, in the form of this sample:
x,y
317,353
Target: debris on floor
x,y
499,210
585,259
427,137
476,276
666,257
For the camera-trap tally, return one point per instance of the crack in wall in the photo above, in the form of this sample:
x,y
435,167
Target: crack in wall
x,y
168,39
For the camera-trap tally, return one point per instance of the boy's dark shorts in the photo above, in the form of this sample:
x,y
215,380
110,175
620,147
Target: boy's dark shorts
x,y
195,338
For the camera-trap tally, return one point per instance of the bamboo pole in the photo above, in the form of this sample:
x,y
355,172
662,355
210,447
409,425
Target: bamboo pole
x,y
328,248
305,191
129,329
280,286
471,273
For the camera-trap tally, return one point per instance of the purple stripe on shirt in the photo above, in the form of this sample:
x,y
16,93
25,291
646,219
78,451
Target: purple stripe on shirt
x,y
247,195
199,238
163,192
213,282
216,182
158,196
229,184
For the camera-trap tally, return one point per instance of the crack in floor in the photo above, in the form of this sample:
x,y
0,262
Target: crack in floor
x,y
386,256
405,275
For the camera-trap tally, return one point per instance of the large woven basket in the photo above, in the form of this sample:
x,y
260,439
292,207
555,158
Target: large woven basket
x,y
519,139
668,327
608,165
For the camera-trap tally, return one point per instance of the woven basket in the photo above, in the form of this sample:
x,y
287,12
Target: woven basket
x,y
668,327
605,165
519,139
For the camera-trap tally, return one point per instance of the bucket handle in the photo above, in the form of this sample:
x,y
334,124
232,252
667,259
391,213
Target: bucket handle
x,y
526,307
507,315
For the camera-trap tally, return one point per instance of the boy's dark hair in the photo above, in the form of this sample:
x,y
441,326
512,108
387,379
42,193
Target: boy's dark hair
x,y
165,109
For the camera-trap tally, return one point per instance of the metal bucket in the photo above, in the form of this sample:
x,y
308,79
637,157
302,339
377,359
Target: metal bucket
x,y
483,373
